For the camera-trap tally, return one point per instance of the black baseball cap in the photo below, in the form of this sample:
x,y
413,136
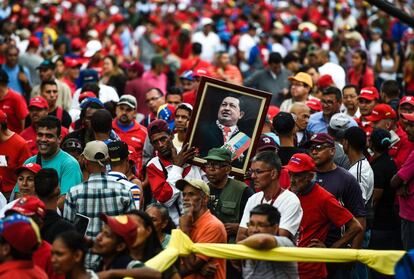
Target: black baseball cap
x,y
118,151
46,64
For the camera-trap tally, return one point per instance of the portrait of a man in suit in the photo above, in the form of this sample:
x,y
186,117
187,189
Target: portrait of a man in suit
x,y
225,131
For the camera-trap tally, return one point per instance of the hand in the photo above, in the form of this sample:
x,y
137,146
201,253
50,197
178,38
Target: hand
x,y
403,191
316,243
23,78
105,274
231,228
185,154
209,269
186,220
237,264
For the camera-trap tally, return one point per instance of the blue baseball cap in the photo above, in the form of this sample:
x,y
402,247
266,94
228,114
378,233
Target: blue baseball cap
x,y
188,75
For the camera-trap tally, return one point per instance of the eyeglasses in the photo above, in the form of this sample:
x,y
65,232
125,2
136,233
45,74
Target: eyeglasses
x,y
319,147
257,225
256,172
152,99
328,102
298,85
215,165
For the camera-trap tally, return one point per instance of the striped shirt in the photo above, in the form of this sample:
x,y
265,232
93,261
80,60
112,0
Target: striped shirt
x,y
135,190
99,194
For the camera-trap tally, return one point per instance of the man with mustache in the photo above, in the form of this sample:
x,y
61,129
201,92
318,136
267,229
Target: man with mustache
x,y
127,128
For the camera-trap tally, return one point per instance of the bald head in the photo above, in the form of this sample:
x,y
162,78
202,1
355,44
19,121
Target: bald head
x,y
302,113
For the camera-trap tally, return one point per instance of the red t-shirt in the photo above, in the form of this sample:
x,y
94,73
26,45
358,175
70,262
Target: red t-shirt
x,y
29,134
402,149
320,210
134,137
15,107
367,79
15,151
193,63
21,270
189,97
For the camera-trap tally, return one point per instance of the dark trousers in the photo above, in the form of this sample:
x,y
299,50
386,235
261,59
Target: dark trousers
x,y
407,234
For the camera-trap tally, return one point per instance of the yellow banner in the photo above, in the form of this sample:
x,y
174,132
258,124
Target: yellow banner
x,y
180,244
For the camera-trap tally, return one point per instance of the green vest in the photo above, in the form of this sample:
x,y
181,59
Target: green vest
x,y
228,207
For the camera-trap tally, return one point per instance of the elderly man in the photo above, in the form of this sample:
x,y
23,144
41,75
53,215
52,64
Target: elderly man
x,y
320,211
225,131
302,113
202,227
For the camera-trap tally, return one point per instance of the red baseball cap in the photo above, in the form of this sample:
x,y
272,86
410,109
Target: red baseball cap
x,y
33,167
300,162
380,112
86,94
408,116
325,81
124,226
201,72
314,104
272,112
3,116
407,100
72,63
38,102
369,93
161,42
77,44
29,206
34,42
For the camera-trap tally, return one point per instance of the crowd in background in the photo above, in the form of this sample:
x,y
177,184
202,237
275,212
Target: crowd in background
x,y
95,102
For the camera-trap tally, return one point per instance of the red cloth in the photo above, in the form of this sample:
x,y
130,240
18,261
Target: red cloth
x,y
16,151
21,270
14,105
190,97
402,149
137,88
193,63
186,51
367,80
42,258
320,210
134,137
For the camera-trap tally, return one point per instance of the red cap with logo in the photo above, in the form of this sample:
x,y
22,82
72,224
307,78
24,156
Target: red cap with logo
x,y
29,206
201,72
124,226
72,63
408,116
325,81
369,93
314,104
380,112
38,102
407,100
300,162
33,167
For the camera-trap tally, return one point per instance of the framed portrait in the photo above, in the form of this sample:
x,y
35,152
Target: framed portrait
x,y
230,116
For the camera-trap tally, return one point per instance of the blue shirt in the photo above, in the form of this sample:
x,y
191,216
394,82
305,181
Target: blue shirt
x,y
317,123
13,74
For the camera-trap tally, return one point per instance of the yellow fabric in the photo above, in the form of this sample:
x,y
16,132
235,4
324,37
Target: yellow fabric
x,y
181,245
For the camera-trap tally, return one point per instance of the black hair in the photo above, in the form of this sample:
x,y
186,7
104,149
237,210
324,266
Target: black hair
x,y
242,103
94,87
3,126
273,215
270,158
160,93
196,48
4,77
283,123
111,107
347,86
101,121
152,244
356,138
173,90
364,57
74,241
380,140
332,90
390,88
46,181
306,68
17,255
184,107
390,44
50,122
47,82
275,58
113,59
165,216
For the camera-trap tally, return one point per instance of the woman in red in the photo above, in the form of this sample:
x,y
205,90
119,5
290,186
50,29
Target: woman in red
x,y
360,74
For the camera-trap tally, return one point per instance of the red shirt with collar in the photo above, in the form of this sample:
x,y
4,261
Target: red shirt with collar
x,y
134,137
14,105
22,270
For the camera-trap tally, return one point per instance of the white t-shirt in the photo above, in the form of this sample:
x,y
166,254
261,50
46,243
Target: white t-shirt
x,y
335,71
363,173
286,203
210,44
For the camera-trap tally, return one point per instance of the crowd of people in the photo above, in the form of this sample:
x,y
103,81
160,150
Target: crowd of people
x,y
96,98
